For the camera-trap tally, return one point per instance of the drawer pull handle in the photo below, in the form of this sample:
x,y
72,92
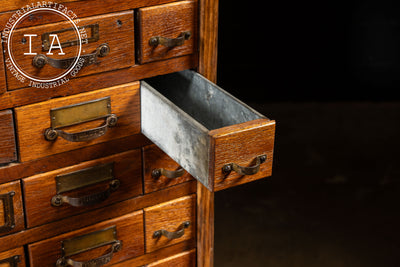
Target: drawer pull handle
x,y
157,173
170,42
88,200
172,235
100,261
51,134
40,60
227,168
12,261
8,210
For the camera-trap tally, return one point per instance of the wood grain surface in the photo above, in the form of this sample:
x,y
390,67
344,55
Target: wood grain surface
x,y
115,29
3,84
8,149
16,171
40,189
184,259
154,158
17,207
168,21
31,95
12,253
72,223
241,144
208,53
129,230
32,120
169,216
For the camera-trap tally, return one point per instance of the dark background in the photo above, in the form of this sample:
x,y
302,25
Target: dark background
x,y
328,72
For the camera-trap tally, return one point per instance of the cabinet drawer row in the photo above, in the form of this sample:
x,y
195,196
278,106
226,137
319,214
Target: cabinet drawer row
x,y
115,41
77,189
116,240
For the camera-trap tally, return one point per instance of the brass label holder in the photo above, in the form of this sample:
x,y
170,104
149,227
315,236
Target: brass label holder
x,y
80,113
8,210
95,36
83,243
83,178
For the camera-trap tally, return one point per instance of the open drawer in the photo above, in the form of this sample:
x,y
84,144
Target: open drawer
x,y
215,137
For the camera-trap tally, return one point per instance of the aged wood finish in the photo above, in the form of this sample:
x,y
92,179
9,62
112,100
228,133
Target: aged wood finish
x,y
113,29
20,170
13,253
170,216
40,189
208,68
32,120
31,95
168,21
158,255
241,144
76,222
3,86
17,207
8,150
154,158
129,230
184,259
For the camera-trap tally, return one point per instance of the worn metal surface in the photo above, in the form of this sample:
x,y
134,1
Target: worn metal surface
x,y
172,235
227,168
180,136
8,211
94,32
178,111
170,42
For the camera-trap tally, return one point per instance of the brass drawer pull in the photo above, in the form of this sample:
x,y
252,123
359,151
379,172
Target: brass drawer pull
x,y
88,242
51,134
84,178
227,168
40,60
8,208
172,235
170,42
11,262
88,200
157,173
79,113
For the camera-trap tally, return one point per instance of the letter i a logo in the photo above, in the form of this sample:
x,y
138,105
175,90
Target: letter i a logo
x,y
55,38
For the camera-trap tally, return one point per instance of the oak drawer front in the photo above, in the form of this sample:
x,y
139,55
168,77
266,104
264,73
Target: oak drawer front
x,y
215,137
113,33
13,258
168,30
170,223
160,171
11,208
3,86
107,242
83,187
8,150
36,122
184,259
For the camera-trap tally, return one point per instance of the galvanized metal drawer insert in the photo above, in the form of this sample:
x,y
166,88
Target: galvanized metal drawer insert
x,y
219,140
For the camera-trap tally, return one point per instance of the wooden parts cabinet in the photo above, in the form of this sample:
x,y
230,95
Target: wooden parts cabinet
x,y
118,165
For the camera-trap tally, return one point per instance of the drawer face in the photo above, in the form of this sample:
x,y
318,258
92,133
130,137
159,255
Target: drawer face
x,y
215,137
165,223
3,86
114,29
11,208
184,259
155,160
84,187
13,258
93,242
165,30
8,150
80,112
